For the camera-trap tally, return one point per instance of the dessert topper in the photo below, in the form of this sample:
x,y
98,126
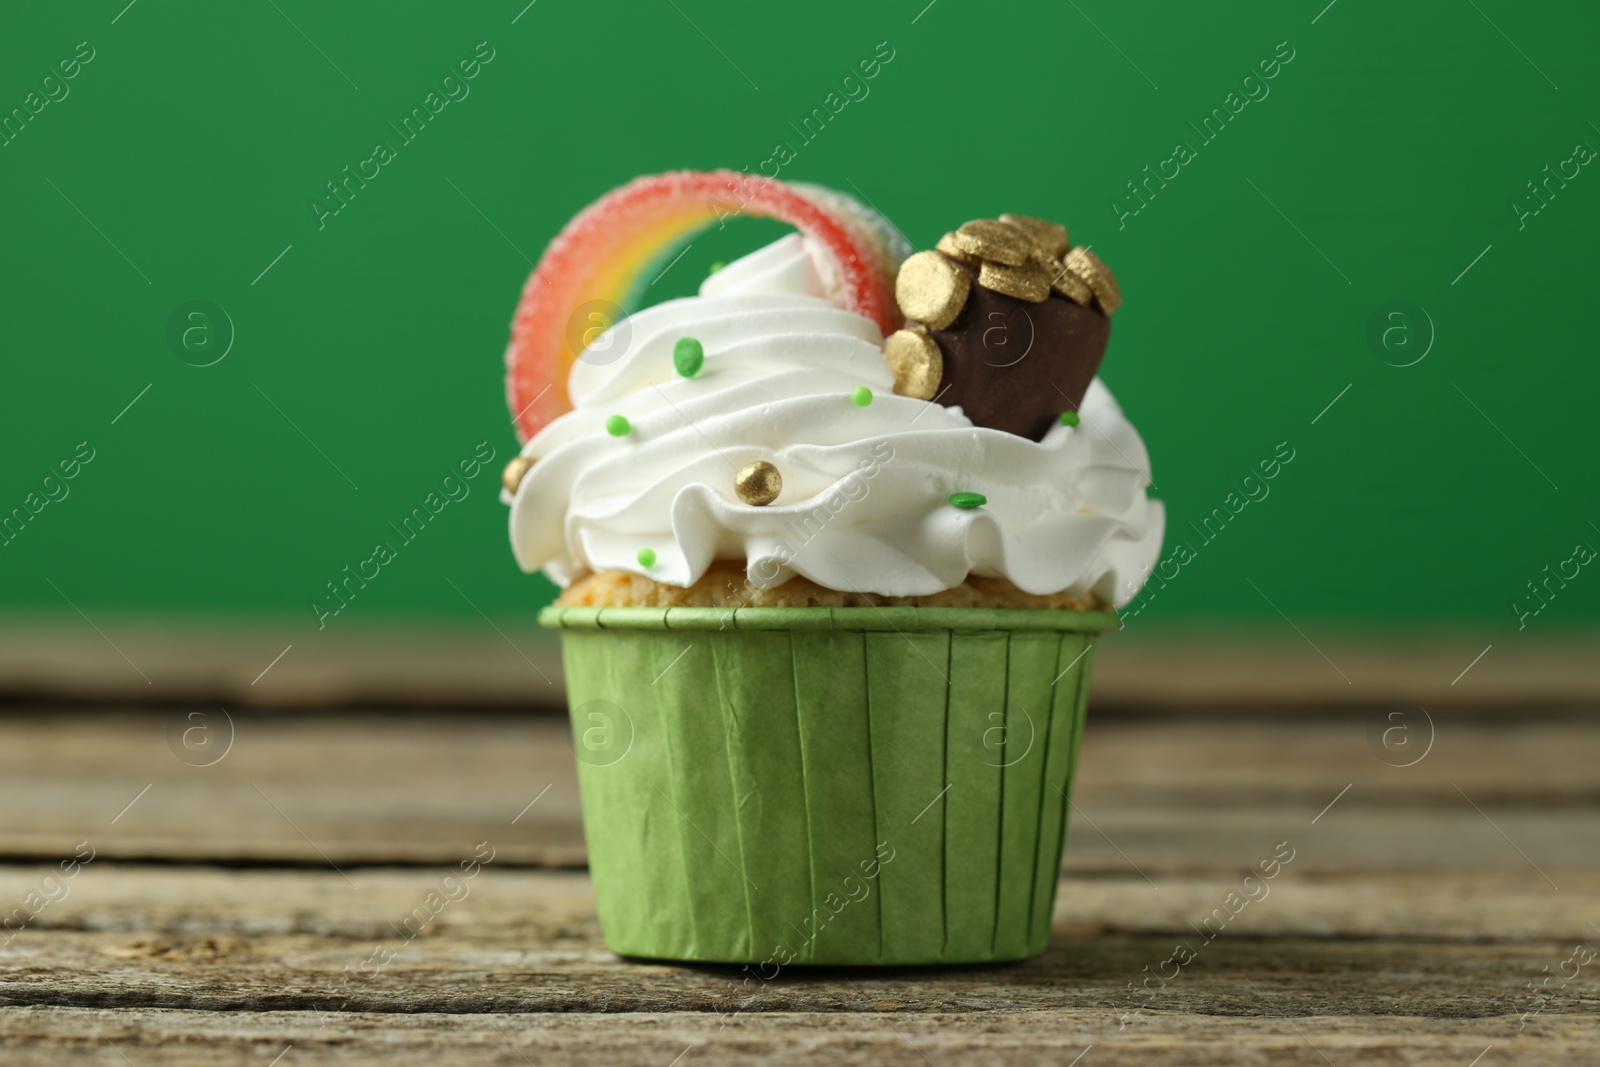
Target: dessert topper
x,y
596,267
757,422
1005,320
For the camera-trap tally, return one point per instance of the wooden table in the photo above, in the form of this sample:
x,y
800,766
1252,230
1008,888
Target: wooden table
x,y
254,910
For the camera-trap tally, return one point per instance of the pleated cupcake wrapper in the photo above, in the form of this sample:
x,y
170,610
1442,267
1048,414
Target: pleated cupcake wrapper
x,y
826,786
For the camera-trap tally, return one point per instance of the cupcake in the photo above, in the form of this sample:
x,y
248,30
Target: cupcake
x,y
835,538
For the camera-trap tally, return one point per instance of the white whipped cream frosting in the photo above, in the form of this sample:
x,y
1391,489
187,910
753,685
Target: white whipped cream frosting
x,y
865,502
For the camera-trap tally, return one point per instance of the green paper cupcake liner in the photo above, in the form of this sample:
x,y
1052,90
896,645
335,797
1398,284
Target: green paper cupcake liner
x,y
846,786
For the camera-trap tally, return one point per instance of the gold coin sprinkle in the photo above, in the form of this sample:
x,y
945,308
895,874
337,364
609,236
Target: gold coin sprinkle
x,y
1029,283
916,362
1099,277
994,240
931,289
947,245
515,471
1018,255
1072,286
1051,265
758,484
1051,237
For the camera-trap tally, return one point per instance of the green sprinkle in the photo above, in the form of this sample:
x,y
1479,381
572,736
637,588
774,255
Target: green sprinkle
x,y
718,265
861,397
968,501
647,558
618,426
688,355
1069,418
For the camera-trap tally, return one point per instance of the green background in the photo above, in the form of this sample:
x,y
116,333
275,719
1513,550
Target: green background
x,y
1385,158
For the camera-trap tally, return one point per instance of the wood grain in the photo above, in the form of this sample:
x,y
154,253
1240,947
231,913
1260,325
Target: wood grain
x,y
1154,794
1403,969
183,1038
557,906
511,661
345,789
278,910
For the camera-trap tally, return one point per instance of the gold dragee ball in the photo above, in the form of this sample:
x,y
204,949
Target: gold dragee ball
x,y
515,471
1051,237
758,484
994,240
916,362
931,289
1030,282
